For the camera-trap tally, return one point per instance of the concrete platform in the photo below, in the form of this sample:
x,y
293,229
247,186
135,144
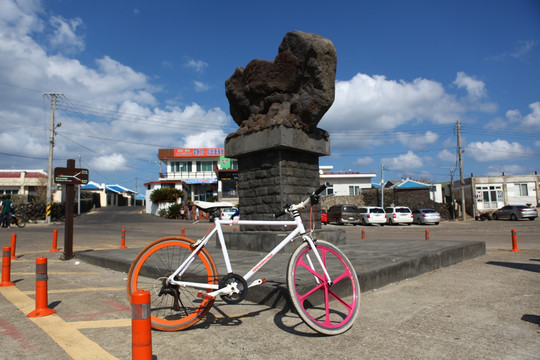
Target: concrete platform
x,y
377,263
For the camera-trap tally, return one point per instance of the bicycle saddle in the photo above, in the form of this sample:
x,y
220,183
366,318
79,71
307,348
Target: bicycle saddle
x,y
209,206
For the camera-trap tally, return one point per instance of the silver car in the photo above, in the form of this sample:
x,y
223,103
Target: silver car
x,y
515,212
426,216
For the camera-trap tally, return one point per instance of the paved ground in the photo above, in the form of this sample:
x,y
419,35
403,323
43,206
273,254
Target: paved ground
x,y
488,307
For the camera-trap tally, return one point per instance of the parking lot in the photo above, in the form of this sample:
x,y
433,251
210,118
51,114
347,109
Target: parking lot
x,y
485,308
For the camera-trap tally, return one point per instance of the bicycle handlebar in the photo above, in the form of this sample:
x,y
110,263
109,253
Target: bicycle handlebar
x,y
301,205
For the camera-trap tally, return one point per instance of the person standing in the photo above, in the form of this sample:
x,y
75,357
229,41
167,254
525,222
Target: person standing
x,y
6,208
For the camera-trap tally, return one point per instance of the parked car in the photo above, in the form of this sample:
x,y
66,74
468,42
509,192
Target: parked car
x,y
399,215
515,212
343,214
324,217
426,216
372,215
226,214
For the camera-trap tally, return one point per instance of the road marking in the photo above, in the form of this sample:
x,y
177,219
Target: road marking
x,y
78,346
100,323
68,291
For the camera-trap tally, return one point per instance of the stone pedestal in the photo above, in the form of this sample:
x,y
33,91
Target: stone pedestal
x,y
276,166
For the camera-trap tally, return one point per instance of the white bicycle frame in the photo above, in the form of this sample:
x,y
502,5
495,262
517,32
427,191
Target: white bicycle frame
x,y
229,289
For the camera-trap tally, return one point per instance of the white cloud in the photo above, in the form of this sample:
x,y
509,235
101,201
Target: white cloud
x,y
200,86
496,150
112,162
196,65
64,35
528,122
496,124
475,88
447,156
403,162
211,138
364,161
369,106
506,169
104,101
416,141
520,52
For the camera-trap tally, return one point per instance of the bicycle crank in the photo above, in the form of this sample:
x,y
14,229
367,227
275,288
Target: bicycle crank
x,y
235,288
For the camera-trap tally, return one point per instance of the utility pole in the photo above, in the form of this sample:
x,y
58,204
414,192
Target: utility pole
x,y
461,183
382,186
51,146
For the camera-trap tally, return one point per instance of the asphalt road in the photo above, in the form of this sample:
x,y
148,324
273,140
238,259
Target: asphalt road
x,y
485,308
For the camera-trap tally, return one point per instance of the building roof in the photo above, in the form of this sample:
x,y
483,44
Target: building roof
x,y
403,184
15,174
118,189
114,188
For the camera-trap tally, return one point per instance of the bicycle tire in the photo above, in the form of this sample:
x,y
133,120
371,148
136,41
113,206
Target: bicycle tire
x,y
329,310
20,222
156,262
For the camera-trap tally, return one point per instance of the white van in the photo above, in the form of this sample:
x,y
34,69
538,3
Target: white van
x,y
372,215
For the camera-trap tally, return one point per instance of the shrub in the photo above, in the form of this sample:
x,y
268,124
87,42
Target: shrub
x,y
163,195
174,211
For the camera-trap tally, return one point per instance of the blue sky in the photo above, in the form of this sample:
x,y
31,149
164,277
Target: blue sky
x,y
141,75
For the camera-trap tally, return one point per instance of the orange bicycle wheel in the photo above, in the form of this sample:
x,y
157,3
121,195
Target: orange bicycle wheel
x,y
173,307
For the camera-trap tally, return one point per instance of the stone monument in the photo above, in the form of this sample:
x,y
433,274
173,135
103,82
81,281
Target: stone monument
x,y
277,105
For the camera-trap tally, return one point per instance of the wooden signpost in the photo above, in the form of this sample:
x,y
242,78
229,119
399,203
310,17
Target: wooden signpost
x,y
69,176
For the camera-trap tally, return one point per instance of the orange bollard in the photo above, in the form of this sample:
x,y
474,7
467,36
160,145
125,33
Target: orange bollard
x,y
123,244
514,241
13,245
427,234
42,302
6,267
141,327
233,229
54,240
363,234
183,232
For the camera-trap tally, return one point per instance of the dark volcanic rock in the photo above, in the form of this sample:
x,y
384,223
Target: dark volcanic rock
x,y
295,90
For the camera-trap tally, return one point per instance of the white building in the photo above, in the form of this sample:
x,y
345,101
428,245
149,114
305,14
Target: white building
x,y
202,173
488,193
345,183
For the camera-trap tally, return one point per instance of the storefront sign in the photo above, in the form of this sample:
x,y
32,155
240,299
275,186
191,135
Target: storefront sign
x,y
199,152
201,181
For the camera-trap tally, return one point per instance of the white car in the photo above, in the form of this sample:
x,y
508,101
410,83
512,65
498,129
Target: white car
x,y
399,215
226,214
372,215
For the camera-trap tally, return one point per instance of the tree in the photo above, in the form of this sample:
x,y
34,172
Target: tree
x,y
166,195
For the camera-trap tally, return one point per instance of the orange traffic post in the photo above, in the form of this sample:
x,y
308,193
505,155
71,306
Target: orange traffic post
x,y
183,232
6,267
13,245
54,240
141,327
42,301
427,234
123,244
363,234
514,241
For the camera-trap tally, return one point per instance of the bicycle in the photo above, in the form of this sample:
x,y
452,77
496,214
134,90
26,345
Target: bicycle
x,y
183,281
17,220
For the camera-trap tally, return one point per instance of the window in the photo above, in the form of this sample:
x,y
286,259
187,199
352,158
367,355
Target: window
x,y
206,165
354,190
329,191
521,190
181,166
